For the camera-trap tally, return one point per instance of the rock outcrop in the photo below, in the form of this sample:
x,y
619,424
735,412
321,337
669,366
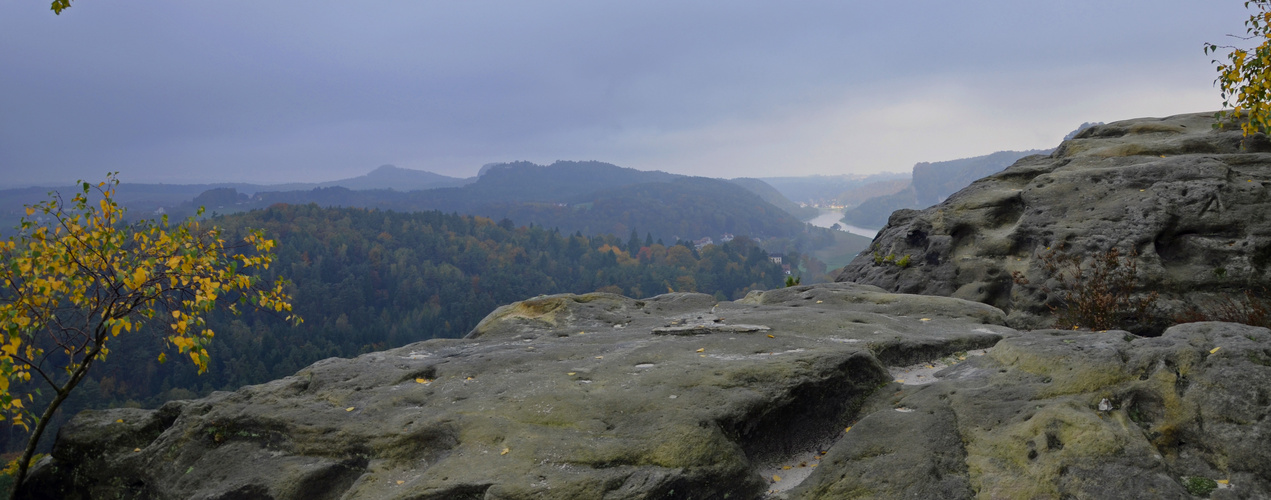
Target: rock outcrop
x,y
823,391
1191,201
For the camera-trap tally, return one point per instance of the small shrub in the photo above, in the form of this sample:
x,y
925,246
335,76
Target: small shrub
x,y
1249,310
1200,486
903,262
1099,296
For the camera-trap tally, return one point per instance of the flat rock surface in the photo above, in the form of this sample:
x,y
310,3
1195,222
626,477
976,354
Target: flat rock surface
x,y
563,396
1193,202
591,397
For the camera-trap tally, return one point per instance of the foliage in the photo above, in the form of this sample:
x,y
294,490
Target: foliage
x,y
76,277
60,5
1098,296
1244,77
1200,486
793,281
1251,309
368,280
902,262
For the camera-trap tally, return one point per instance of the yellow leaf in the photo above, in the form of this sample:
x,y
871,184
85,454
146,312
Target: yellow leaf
x,y
1214,350
421,381
772,337
399,481
571,373
701,350
136,450
785,467
351,408
29,211
776,478
505,451
120,421
849,429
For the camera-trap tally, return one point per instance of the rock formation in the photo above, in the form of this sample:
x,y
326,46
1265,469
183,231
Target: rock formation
x,y
823,391
843,390
1192,201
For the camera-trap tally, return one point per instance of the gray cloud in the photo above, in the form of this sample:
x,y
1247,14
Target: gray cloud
x,y
290,90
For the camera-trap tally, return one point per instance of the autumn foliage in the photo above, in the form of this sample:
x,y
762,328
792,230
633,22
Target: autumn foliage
x,y
1244,77
76,276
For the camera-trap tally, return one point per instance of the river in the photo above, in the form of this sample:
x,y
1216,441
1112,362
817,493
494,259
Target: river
x,y
830,217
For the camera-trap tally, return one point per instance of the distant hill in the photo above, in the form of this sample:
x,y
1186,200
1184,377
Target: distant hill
x,y
588,197
144,199
397,179
773,196
832,189
931,184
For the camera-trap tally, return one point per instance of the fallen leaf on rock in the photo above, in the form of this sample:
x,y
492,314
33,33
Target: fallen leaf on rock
x,y
819,301
849,429
469,378
120,421
399,481
813,465
1214,350
785,467
1223,481
776,478
505,451
900,380
600,357
136,450
701,350
771,337
924,319
351,408
571,373
422,381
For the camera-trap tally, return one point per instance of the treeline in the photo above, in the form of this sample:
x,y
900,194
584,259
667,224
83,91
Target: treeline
x,y
367,280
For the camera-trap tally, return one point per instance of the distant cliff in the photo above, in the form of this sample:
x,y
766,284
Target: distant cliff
x,y
931,183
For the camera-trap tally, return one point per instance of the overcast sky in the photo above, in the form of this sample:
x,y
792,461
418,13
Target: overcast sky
x,y
315,90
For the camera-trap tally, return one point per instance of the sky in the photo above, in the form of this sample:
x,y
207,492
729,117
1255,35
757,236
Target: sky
x,y
319,90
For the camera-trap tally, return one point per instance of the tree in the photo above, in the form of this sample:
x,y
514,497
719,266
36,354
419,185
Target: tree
x,y
78,276
1244,77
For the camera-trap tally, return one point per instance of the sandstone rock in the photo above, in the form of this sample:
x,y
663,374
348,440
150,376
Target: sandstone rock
x,y
1192,201
566,396
1023,421
577,397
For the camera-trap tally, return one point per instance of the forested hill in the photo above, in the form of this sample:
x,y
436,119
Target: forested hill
x,y
591,197
772,195
368,280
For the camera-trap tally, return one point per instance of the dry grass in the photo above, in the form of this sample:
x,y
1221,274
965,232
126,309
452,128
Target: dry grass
x,y
1251,309
1099,295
